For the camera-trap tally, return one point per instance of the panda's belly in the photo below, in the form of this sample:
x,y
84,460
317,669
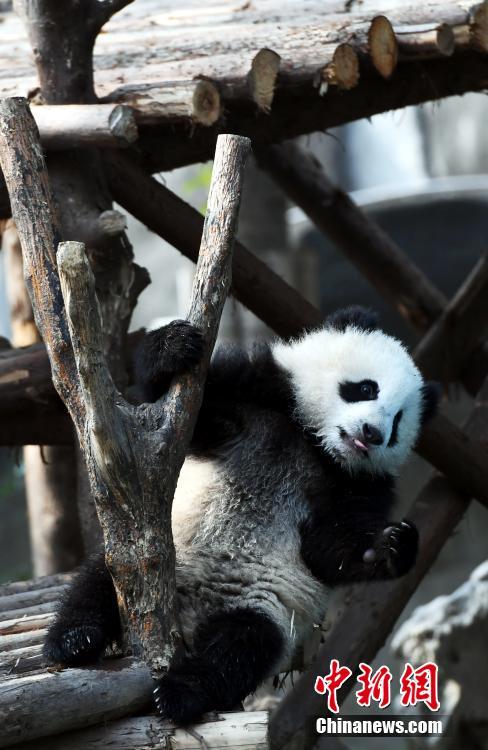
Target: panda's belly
x,y
234,550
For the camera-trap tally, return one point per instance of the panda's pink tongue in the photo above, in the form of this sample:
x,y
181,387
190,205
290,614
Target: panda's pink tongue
x,y
362,447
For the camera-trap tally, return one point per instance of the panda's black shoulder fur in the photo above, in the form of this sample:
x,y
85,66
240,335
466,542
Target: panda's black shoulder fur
x,y
236,377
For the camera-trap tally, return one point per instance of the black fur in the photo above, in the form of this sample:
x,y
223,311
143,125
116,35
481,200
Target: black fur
x,y
163,353
394,430
237,378
431,395
351,521
87,620
233,653
365,390
354,315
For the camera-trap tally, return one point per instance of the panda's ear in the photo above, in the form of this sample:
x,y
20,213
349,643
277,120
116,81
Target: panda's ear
x,y
431,394
355,315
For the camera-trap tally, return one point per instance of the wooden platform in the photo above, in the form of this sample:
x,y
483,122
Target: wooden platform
x,y
83,708
266,69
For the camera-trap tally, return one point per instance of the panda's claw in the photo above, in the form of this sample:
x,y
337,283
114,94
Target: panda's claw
x,y
396,549
80,645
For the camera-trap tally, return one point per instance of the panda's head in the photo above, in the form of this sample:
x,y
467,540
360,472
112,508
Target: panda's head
x,y
358,390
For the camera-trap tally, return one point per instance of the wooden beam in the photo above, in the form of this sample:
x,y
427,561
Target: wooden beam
x,y
381,261
64,126
370,248
304,111
253,283
81,693
459,331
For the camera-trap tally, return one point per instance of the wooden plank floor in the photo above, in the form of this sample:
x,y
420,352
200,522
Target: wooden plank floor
x,y
106,704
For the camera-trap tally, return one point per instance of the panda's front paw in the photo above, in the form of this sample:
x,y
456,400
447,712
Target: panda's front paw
x,y
394,551
74,647
175,347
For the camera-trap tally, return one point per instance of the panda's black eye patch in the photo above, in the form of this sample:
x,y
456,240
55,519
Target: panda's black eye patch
x,y
394,430
365,390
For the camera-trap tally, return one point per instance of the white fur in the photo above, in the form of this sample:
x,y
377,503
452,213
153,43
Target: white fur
x,y
317,364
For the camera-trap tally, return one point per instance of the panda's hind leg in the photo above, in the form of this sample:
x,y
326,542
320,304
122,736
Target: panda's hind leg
x,y
87,620
234,651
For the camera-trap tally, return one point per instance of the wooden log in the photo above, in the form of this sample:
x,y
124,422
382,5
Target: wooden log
x,y
463,324
36,584
31,412
424,41
383,46
253,283
371,611
13,641
333,212
31,598
373,252
40,608
64,126
71,699
189,101
25,624
10,660
245,730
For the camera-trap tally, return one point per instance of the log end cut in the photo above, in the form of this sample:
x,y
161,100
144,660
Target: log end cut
x,y
207,106
383,46
342,71
262,78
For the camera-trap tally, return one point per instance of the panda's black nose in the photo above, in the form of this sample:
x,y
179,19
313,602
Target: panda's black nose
x,y
372,435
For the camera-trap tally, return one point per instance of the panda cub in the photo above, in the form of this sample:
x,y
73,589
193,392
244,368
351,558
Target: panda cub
x,y
286,492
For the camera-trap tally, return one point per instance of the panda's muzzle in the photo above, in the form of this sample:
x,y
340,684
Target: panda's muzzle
x,y
356,444
372,435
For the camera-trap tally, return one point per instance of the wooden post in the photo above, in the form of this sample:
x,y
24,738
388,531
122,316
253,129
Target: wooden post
x,y
50,473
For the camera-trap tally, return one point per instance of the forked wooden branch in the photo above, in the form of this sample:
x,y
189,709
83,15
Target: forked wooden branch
x,y
133,455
